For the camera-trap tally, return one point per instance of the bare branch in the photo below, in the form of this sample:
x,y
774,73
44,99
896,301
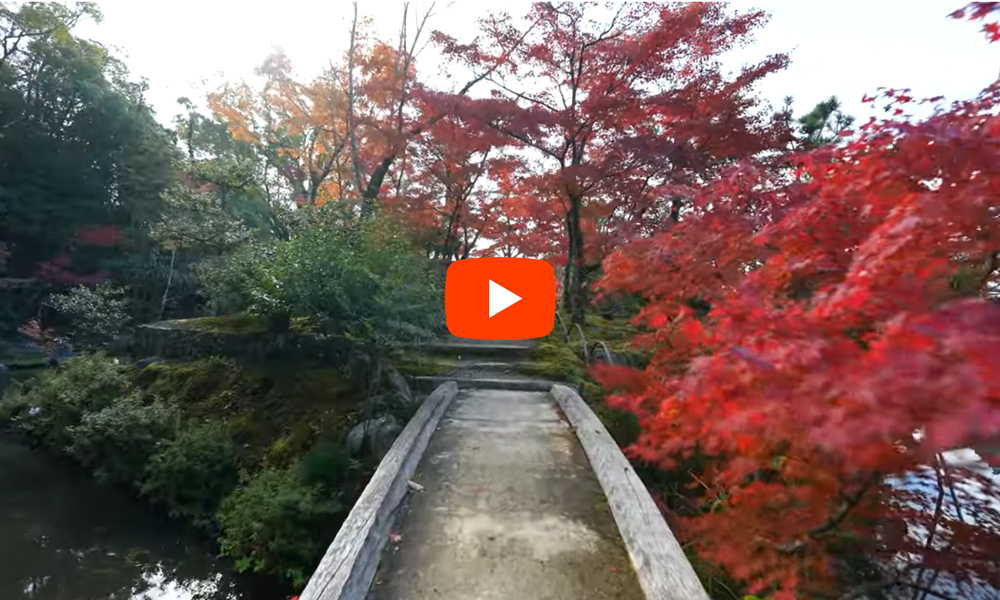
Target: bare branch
x,y
351,124
523,96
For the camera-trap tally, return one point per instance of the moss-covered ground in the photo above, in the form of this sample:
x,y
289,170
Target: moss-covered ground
x,y
277,411
239,323
415,363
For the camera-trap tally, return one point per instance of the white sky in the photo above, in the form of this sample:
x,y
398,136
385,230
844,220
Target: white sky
x,y
185,48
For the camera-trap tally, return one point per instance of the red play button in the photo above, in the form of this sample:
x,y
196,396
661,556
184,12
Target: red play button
x,y
500,298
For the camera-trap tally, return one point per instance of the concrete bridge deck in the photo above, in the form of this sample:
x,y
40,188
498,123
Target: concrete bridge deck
x,y
501,490
510,509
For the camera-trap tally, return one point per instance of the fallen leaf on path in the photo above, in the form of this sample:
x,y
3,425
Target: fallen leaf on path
x,y
416,487
395,538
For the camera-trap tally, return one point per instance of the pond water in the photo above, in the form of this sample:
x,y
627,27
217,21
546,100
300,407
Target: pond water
x,y
969,500
63,536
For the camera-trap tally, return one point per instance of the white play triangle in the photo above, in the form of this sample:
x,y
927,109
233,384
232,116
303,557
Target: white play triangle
x,y
501,298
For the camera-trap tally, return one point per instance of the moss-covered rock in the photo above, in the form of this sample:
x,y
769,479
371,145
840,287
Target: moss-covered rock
x,y
616,333
239,323
242,337
554,360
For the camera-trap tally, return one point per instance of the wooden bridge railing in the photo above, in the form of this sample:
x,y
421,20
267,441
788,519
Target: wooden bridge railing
x,y
663,571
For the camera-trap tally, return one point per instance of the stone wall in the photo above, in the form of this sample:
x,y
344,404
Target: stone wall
x,y
179,340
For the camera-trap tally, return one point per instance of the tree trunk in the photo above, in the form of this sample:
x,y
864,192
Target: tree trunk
x,y
370,196
574,281
166,289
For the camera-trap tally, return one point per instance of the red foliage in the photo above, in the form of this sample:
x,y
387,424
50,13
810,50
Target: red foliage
x,y
978,11
34,332
101,235
447,197
852,302
614,107
59,271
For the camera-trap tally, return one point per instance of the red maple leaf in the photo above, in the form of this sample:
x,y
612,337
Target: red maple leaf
x,y
978,11
992,31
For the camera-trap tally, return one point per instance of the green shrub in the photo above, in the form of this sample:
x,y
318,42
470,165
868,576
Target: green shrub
x,y
57,398
192,473
97,316
357,279
229,281
329,465
278,523
117,441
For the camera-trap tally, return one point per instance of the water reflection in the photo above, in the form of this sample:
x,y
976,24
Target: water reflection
x,y
64,537
959,497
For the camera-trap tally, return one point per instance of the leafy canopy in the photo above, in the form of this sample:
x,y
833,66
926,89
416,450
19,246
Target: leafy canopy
x,y
849,303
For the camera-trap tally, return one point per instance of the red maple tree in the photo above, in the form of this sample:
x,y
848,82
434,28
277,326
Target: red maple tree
x,y
60,271
805,323
615,105
447,186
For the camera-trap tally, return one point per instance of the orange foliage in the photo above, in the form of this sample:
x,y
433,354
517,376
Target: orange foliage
x,y
303,129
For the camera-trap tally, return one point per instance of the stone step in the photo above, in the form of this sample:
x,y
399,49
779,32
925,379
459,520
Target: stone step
x,y
491,365
493,350
429,382
470,369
